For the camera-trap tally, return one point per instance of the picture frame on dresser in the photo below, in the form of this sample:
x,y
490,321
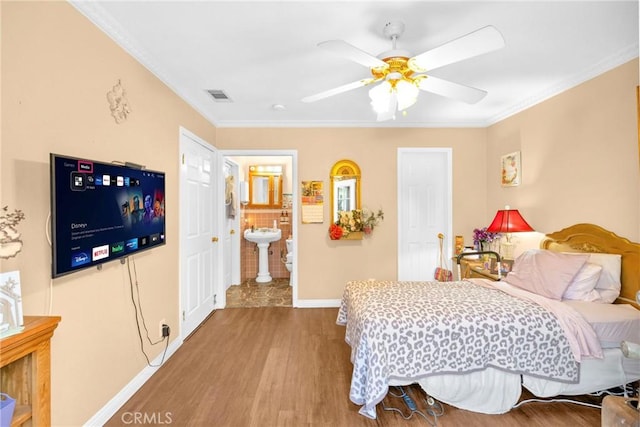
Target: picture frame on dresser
x,y
11,316
506,265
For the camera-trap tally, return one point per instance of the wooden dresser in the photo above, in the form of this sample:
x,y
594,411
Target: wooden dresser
x,y
25,370
617,413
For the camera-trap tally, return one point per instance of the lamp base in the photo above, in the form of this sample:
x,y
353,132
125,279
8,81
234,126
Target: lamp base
x,y
506,250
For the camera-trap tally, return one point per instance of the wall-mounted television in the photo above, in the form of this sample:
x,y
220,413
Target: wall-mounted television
x,y
102,211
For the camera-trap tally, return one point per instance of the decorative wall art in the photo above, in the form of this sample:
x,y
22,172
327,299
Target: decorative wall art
x,y
10,242
118,103
511,171
287,201
312,202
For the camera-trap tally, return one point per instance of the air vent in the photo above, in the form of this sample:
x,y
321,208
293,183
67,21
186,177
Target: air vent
x,y
219,95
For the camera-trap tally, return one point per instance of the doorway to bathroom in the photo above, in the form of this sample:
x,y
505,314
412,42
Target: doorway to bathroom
x,y
255,278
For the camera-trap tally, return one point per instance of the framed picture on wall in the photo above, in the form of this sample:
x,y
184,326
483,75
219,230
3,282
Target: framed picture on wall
x,y
511,170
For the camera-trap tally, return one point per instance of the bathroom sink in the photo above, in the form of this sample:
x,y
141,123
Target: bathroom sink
x,y
263,235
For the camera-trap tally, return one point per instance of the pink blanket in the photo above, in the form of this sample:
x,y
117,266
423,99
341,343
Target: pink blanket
x,y
581,336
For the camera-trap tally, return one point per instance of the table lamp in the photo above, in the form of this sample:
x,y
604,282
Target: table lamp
x,y
508,221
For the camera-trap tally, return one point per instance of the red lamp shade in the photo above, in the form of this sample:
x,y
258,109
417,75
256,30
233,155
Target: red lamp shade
x,y
509,221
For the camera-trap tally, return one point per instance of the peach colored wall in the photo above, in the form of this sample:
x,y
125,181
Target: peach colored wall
x,y
579,150
56,71
325,265
579,157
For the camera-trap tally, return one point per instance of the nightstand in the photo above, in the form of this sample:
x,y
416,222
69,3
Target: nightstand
x,y
475,268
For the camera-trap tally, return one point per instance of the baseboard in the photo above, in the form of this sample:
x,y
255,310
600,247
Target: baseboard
x,y
103,415
317,303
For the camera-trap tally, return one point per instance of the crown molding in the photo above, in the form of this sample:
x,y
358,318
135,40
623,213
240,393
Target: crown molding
x,y
623,56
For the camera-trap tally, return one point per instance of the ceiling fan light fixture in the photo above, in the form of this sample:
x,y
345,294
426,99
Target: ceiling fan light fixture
x,y
402,75
380,96
407,94
392,95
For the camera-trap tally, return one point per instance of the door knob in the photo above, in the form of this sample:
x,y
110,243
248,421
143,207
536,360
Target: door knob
x,y
214,239
232,231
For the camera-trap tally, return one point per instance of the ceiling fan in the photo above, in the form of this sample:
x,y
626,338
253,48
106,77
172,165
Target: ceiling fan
x,y
401,75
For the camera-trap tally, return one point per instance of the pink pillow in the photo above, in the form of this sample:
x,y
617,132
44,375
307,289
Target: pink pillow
x,y
545,272
583,284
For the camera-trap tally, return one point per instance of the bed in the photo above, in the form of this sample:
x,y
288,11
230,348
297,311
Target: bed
x,y
474,343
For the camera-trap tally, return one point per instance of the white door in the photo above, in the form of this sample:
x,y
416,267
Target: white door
x,y
198,239
231,226
424,210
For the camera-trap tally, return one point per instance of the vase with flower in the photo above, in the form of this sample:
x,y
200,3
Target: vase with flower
x,y
354,224
482,239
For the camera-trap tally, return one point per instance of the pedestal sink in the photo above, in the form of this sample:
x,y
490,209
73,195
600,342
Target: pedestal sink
x,y
263,237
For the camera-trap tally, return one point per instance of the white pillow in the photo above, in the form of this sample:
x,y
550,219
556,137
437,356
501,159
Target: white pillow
x,y
608,285
583,284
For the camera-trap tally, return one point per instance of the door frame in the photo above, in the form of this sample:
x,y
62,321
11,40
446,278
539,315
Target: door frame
x,y
293,280
231,228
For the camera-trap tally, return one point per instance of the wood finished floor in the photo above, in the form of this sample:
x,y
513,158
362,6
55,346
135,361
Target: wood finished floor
x,y
278,366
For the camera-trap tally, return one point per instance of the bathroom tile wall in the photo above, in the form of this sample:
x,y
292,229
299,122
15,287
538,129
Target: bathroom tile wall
x,y
277,250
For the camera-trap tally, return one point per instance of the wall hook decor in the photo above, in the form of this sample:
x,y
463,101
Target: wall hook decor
x,y
118,103
10,243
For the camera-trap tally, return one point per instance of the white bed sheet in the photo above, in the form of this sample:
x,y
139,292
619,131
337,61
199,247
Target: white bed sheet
x,y
613,323
595,375
493,391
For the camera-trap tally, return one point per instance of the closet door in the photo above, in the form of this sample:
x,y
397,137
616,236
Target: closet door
x,y
424,210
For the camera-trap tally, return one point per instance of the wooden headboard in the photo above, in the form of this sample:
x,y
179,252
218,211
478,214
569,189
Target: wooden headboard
x,y
592,238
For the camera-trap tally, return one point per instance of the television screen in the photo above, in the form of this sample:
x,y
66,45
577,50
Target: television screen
x,y
102,211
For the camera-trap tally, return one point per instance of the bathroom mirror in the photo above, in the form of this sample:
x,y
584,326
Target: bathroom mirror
x,y
345,187
265,186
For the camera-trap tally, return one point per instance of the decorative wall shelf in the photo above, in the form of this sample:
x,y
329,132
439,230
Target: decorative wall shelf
x,y
354,235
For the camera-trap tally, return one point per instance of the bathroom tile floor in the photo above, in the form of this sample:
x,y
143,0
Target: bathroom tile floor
x,y
276,293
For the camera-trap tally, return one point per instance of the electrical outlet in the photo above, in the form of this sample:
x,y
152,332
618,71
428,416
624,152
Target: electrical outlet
x,y
165,331
160,327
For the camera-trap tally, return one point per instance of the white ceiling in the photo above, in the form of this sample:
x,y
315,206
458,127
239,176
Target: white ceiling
x,y
265,52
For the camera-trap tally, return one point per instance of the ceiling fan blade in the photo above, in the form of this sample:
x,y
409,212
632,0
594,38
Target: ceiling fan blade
x,y
339,89
481,41
467,94
346,50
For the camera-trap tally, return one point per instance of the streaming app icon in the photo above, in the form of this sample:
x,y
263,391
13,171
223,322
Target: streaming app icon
x,y
144,241
79,258
100,252
120,181
106,180
126,181
131,245
155,238
78,181
98,180
116,248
